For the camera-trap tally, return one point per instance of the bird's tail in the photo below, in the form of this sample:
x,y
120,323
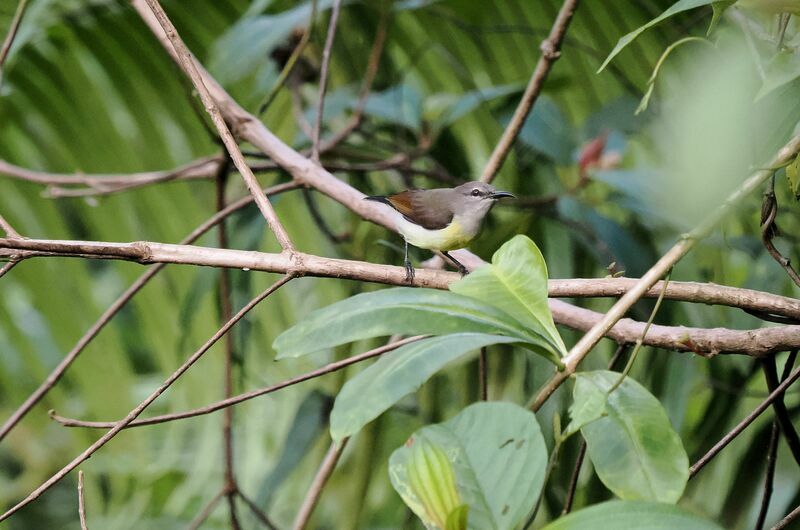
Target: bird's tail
x,y
378,198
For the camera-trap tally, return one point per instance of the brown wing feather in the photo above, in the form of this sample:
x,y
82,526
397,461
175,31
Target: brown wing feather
x,y
422,207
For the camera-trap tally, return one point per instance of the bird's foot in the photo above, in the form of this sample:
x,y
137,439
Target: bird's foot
x,y
463,270
409,273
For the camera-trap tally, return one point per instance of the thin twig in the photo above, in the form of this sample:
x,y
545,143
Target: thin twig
x,y
81,505
320,479
781,414
576,471
187,62
769,476
550,49
8,229
260,515
323,79
226,312
288,68
483,375
786,521
133,414
728,438
206,511
3,271
641,339
117,305
366,87
769,229
60,184
11,35
667,261
235,400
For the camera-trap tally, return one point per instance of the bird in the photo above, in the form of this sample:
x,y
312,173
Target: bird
x,y
441,219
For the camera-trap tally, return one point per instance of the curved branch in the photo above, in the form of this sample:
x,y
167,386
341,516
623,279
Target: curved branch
x,y
550,53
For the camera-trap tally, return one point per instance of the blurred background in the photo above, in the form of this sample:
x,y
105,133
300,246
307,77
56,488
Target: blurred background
x,y
603,190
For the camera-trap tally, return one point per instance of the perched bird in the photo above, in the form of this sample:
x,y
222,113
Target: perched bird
x,y
441,219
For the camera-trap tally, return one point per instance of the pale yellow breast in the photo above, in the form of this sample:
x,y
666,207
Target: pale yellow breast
x,y
451,237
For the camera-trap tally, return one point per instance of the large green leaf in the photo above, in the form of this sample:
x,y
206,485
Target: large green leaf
x,y
499,457
516,283
631,515
403,310
635,451
677,7
364,397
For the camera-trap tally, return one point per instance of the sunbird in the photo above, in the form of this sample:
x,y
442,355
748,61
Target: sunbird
x,y
441,219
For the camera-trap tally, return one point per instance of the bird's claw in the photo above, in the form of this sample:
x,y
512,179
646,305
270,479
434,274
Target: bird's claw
x,y
409,273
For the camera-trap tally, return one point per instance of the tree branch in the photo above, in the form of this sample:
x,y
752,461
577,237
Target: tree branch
x,y
781,414
235,400
550,48
189,65
320,479
11,35
117,305
62,184
323,79
728,438
146,403
81,505
667,261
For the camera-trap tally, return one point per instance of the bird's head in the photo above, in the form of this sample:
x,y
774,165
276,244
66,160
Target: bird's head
x,y
476,198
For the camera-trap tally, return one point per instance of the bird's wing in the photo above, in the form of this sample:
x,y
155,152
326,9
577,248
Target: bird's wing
x,y
422,207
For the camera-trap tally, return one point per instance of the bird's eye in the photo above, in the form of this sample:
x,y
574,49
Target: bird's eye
x,y
476,192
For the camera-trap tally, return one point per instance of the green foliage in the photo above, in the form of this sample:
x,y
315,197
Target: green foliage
x,y
634,449
397,374
497,454
631,515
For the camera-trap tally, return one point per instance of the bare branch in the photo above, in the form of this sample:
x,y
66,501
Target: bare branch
x,y
769,476
550,48
784,523
320,479
769,211
323,79
81,505
115,307
728,438
8,229
60,184
288,68
206,511
187,62
781,414
673,255
260,515
208,409
11,35
700,293
144,404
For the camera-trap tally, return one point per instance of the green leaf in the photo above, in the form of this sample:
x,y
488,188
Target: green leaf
x,y
793,175
516,283
401,104
634,449
433,482
457,519
449,108
631,515
396,374
548,130
499,457
402,310
588,405
677,7
719,8
783,68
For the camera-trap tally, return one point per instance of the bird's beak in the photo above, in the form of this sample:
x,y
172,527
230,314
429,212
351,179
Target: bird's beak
x,y
501,194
